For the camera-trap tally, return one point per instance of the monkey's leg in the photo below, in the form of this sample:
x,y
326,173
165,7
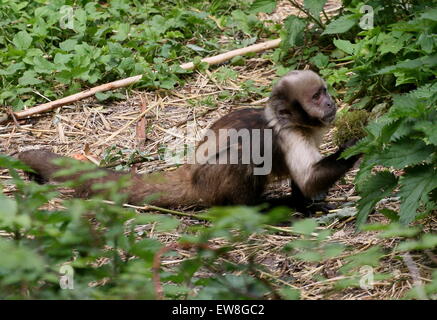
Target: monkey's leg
x,y
299,202
307,206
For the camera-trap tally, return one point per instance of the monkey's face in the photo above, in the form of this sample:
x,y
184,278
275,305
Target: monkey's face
x,y
309,89
321,104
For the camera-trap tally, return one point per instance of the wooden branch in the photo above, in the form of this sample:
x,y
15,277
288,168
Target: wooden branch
x,y
141,125
131,80
76,97
238,52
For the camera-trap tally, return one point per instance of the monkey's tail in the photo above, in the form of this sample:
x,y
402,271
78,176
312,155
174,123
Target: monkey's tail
x,y
170,189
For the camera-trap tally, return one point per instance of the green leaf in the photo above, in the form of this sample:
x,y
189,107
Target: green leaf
x,y
22,40
122,32
369,257
429,128
163,223
426,42
18,263
267,6
13,68
372,190
43,65
306,226
28,79
416,184
320,60
293,32
68,45
430,14
392,45
428,241
8,211
405,152
315,7
345,46
196,48
341,25
289,293
309,256
62,58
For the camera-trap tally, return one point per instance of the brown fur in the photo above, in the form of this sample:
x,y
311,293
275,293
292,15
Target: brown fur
x,y
299,112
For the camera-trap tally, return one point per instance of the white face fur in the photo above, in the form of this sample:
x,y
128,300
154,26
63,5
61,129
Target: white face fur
x,y
310,91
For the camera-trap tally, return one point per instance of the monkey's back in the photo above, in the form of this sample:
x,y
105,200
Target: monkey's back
x,y
235,183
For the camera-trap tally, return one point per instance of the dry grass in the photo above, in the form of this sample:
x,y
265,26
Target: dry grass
x,y
90,125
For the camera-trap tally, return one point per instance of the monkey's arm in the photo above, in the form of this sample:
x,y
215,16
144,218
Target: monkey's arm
x,y
312,175
326,172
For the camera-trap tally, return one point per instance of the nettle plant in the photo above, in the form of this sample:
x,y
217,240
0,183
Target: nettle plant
x,y
395,66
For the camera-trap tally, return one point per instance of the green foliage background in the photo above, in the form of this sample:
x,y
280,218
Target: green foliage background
x,y
55,48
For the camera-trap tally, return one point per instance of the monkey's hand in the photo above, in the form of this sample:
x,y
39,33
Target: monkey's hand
x,y
349,143
311,208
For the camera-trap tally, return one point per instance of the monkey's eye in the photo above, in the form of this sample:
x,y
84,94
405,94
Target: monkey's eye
x,y
316,95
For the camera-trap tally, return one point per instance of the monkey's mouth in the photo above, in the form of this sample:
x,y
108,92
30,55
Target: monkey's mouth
x,y
328,118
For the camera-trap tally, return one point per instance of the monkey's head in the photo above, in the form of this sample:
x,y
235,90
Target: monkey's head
x,y
305,97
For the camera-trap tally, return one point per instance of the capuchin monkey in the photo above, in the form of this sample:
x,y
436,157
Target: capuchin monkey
x,y
298,114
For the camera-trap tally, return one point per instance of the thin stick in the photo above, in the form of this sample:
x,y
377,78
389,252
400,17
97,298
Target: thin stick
x,y
131,80
77,96
238,52
141,125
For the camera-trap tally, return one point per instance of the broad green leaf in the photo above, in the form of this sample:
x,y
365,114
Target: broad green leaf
x,y
310,256
392,45
29,79
428,241
196,48
267,6
416,183
13,68
62,58
8,211
315,7
19,264
426,42
122,32
372,190
22,40
341,25
369,257
405,152
42,65
430,14
68,45
306,226
320,60
429,128
345,45
293,32
289,293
